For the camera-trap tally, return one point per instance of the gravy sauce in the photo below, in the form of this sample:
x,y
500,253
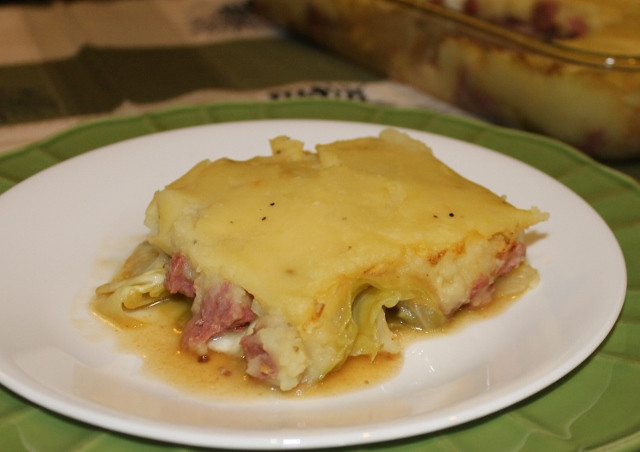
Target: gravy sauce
x,y
157,341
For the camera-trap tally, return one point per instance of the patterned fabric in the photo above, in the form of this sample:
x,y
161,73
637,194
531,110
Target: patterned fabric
x,y
67,62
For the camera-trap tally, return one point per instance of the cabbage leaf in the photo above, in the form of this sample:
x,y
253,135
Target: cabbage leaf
x,y
139,283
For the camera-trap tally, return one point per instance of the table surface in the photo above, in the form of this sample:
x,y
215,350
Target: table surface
x,y
67,65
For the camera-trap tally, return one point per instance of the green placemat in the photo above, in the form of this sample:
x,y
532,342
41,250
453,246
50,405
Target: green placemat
x,y
597,406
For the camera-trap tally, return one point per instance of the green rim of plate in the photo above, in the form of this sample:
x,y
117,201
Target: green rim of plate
x,y
596,406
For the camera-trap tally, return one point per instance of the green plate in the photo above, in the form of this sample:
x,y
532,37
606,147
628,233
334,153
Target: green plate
x,y
597,406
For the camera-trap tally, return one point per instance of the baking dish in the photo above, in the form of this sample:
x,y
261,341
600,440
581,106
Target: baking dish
x,y
569,69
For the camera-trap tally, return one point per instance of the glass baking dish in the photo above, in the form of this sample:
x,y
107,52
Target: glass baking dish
x,y
569,69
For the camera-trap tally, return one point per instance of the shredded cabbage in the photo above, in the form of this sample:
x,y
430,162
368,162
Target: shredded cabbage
x,y
140,283
421,315
368,313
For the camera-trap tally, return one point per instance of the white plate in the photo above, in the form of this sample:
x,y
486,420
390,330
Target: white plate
x,y
65,230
